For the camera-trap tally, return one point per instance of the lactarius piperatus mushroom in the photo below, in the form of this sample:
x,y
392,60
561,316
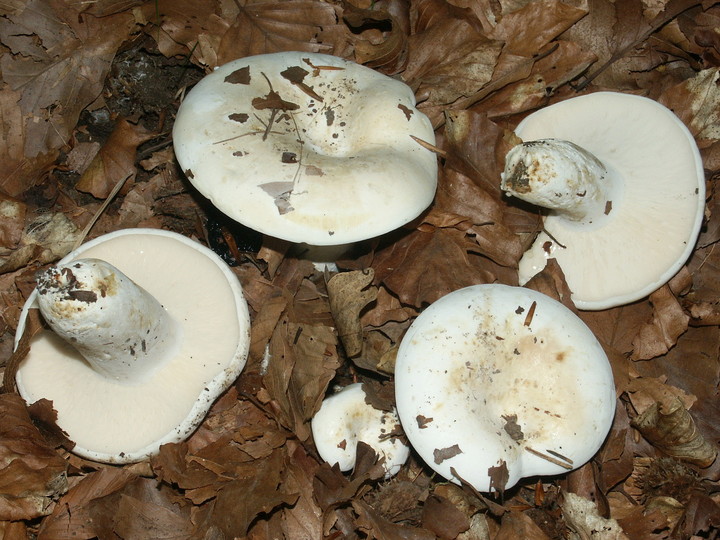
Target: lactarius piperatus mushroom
x,y
148,329
493,377
623,181
345,419
308,148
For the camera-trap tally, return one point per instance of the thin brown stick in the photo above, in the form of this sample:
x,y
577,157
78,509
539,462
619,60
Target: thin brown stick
x,y
551,459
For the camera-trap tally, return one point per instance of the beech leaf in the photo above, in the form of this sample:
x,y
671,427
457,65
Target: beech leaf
x,y
671,429
349,293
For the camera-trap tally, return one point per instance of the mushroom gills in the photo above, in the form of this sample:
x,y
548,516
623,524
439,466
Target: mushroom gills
x,y
118,327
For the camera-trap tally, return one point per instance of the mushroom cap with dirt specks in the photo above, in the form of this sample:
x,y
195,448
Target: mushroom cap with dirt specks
x,y
116,422
655,217
494,374
307,147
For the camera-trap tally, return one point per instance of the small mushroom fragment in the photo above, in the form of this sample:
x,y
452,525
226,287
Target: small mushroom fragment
x,y
308,148
623,182
493,376
136,356
344,419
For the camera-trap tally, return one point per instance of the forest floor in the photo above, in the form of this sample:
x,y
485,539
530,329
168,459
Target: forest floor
x,y
88,96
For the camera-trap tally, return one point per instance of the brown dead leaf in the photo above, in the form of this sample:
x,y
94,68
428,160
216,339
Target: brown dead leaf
x,y
527,30
517,525
257,488
349,293
697,102
461,67
295,25
13,530
302,363
671,429
187,27
71,517
57,63
669,322
443,518
424,266
380,34
377,527
459,195
143,508
33,476
115,161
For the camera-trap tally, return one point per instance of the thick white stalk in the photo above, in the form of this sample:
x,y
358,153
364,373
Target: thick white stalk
x,y
122,331
560,176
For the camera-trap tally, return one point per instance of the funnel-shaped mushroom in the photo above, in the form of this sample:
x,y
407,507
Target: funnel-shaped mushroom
x,y
309,148
491,376
149,328
345,419
623,181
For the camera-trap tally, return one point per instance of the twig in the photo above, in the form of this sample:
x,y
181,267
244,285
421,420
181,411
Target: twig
x,y
102,208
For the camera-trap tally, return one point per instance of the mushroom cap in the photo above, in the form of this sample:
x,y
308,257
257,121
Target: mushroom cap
x,y
344,419
338,165
490,370
653,223
115,422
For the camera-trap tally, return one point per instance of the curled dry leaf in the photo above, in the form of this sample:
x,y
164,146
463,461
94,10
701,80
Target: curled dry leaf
x,y
349,293
46,238
584,520
669,322
33,476
671,429
385,50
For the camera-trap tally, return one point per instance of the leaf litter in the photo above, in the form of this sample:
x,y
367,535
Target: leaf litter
x,y
87,99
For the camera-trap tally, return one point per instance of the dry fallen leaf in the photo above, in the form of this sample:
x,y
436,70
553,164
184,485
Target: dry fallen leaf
x,y
584,521
32,476
671,429
349,293
115,162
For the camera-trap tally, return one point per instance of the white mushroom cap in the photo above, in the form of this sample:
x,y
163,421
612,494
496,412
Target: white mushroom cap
x,y
120,421
654,195
491,374
338,165
344,419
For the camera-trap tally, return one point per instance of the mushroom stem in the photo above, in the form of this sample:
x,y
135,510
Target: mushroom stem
x,y
560,176
122,331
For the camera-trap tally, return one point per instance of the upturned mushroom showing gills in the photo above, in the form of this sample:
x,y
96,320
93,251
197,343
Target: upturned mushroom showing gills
x,y
308,148
147,329
623,182
345,419
496,383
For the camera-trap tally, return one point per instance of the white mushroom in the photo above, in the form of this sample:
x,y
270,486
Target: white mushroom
x,y
491,376
623,181
137,355
344,419
309,148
